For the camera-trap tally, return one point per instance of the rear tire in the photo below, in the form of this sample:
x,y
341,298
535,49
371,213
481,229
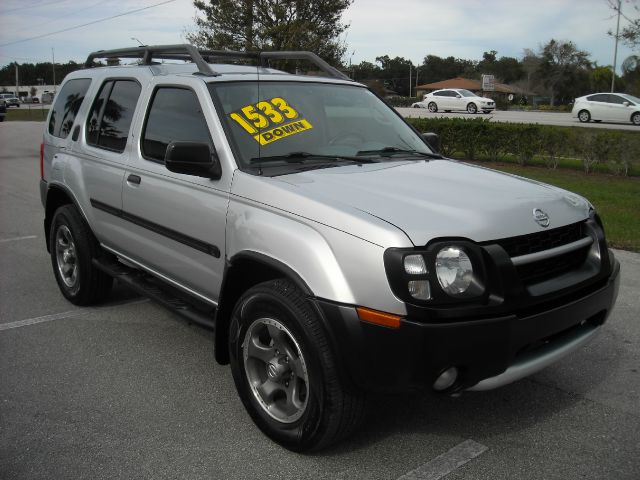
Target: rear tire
x,y
73,247
286,373
635,118
433,108
584,116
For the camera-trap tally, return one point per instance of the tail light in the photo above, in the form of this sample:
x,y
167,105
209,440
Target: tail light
x,y
42,161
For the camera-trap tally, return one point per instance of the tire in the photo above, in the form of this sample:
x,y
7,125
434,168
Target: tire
x,y
73,247
433,108
584,116
472,108
303,405
415,106
635,118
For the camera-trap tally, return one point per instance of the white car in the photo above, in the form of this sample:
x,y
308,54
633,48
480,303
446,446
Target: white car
x,y
450,99
613,107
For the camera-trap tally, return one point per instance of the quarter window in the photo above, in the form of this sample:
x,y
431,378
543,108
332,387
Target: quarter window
x,y
174,115
66,107
111,114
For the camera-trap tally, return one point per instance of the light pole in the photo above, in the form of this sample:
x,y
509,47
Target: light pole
x,y
141,44
615,51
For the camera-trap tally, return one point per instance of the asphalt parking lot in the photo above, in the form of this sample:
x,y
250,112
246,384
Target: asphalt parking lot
x,y
128,390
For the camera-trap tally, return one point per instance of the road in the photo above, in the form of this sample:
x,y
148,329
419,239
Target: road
x,y
128,390
545,118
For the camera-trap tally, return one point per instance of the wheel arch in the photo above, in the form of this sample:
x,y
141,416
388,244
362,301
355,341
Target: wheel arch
x,y
57,196
243,271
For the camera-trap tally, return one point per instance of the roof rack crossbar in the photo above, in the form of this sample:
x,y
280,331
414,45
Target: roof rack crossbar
x,y
200,56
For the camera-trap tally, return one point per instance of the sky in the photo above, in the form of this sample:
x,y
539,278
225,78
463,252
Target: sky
x,y
406,28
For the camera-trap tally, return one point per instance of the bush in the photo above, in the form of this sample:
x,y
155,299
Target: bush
x,y
552,146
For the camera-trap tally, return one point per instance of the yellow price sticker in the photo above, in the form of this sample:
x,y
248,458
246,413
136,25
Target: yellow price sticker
x,y
270,120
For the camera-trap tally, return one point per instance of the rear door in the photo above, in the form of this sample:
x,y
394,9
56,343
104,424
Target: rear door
x,y
177,221
619,111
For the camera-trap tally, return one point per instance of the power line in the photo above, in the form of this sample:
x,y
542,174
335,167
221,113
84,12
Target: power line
x,y
33,5
86,24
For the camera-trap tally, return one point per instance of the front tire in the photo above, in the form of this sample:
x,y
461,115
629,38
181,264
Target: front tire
x,y
584,116
472,108
286,373
73,247
433,108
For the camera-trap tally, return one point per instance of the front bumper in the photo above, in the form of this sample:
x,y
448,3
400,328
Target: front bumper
x,y
488,353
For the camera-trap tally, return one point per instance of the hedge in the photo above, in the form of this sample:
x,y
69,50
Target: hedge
x,y
572,147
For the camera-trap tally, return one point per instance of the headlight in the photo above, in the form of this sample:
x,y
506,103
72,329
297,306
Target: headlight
x,y
454,270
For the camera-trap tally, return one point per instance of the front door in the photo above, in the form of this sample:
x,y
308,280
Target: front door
x,y
177,221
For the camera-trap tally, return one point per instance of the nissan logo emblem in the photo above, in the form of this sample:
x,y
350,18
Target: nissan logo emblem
x,y
541,217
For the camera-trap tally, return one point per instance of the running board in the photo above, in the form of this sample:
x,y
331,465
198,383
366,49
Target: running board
x,y
147,285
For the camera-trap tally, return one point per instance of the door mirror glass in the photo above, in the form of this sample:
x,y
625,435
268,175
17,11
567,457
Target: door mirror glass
x,y
626,104
433,140
192,158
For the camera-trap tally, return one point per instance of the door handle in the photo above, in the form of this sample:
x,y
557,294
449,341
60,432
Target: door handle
x,y
134,179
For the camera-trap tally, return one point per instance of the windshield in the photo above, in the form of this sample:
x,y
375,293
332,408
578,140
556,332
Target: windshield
x,y
466,93
631,98
294,122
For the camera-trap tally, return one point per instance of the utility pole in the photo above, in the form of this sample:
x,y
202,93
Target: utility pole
x,y
410,68
17,81
615,51
53,66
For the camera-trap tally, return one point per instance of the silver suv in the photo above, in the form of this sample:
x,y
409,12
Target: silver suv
x,y
332,249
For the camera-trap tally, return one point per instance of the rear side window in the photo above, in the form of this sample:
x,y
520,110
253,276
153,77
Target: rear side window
x,y
174,115
111,114
66,106
600,97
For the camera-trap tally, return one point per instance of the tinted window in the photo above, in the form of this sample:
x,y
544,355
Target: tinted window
x,y
93,120
616,99
600,97
66,107
109,122
174,115
439,94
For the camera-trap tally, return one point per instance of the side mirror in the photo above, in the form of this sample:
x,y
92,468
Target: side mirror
x,y
192,158
458,96
433,140
626,104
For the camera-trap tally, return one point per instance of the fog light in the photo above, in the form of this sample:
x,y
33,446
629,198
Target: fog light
x,y
446,379
420,289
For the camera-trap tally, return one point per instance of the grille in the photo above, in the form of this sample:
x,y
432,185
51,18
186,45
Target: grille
x,y
540,241
537,242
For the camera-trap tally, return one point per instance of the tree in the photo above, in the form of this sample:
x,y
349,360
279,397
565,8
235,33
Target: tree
x,y
564,68
631,74
434,69
505,69
395,73
630,34
272,25
600,79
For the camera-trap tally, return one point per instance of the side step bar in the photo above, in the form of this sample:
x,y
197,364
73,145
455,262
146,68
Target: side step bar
x,y
145,285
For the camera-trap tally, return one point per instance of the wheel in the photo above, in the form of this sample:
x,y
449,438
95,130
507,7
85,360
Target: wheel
x,y
415,105
584,116
73,247
471,108
433,108
285,372
635,118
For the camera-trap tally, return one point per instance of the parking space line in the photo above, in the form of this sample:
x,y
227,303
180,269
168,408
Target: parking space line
x,y
15,239
63,315
447,462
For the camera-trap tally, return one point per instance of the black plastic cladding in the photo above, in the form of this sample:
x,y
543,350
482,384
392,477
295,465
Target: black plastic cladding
x,y
505,292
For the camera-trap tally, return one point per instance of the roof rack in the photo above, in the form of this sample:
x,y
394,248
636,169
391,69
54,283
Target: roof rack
x,y
202,57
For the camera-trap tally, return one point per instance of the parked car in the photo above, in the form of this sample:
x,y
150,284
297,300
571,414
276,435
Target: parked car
x,y
610,107
333,251
450,99
10,99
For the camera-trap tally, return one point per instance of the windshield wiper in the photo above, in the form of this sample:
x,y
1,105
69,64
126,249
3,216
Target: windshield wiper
x,y
388,151
299,157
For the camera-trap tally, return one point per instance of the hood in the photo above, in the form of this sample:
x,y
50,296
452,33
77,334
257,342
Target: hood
x,y
429,199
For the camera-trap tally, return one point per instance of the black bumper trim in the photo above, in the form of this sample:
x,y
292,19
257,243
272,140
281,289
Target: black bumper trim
x,y
411,357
